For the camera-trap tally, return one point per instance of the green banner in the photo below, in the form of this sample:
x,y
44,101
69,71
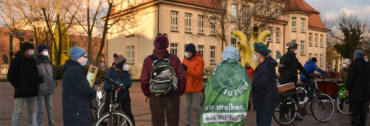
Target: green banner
x,y
227,95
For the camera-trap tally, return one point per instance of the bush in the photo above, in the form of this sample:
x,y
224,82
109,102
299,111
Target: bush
x,y
59,71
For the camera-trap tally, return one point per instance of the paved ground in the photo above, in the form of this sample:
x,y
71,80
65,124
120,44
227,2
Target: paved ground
x,y
140,110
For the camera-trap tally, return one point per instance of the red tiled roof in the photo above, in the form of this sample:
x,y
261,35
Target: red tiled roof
x,y
299,5
275,19
314,21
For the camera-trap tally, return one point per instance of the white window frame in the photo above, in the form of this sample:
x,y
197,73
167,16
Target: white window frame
x,y
269,13
200,24
132,54
174,20
173,48
213,25
73,43
212,59
320,60
270,37
260,9
277,11
128,54
187,22
309,56
315,55
303,20
233,40
201,49
316,40
277,34
234,12
302,46
321,36
310,39
245,14
294,23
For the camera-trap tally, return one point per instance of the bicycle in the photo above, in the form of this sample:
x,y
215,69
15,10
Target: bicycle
x,y
97,102
115,116
321,104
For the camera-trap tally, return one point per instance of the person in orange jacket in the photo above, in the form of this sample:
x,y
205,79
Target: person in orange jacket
x,y
193,65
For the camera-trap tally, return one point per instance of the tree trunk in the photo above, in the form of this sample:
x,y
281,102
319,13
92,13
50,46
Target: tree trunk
x,y
102,42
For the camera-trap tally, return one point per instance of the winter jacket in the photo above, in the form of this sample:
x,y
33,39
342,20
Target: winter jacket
x,y
23,76
310,67
77,95
343,74
264,89
46,69
147,67
288,70
125,80
250,72
358,81
194,73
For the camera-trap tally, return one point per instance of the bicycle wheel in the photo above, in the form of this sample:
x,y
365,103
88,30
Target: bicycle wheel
x,y
285,114
302,95
117,119
100,111
343,106
322,111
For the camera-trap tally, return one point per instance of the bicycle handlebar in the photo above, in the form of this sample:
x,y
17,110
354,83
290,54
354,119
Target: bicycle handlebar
x,y
114,83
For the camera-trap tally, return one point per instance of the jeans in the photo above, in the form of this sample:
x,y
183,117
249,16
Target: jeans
x,y
192,100
312,86
18,106
169,107
47,101
264,116
358,113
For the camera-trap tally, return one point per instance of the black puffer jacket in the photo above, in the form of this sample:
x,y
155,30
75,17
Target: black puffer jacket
x,y
264,89
288,70
23,76
358,81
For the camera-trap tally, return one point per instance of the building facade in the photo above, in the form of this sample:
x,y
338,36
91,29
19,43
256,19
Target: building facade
x,y
184,22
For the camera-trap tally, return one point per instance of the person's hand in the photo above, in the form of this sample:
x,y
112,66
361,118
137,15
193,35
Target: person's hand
x,y
346,91
340,80
185,67
328,74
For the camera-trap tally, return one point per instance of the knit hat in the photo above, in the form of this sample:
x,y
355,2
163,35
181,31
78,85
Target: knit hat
x,y
26,46
314,59
42,47
358,54
161,42
230,52
261,49
191,48
119,61
76,52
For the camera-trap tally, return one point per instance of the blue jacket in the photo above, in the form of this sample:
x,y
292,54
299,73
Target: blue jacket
x,y
264,89
310,67
114,74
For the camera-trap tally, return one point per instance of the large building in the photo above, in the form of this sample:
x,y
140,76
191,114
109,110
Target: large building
x,y
184,22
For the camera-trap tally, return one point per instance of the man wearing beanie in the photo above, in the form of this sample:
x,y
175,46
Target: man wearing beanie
x,y
169,106
266,96
24,78
46,89
77,93
357,87
193,64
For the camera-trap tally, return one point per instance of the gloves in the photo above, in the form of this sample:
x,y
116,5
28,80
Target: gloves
x,y
117,83
185,67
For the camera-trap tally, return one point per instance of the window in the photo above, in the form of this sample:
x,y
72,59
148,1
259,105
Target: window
x,y
269,10
187,22
321,40
213,25
315,56
277,34
200,24
200,49
302,47
234,12
309,56
294,19
277,11
270,37
260,8
73,44
173,48
213,54
320,59
233,40
315,39
174,20
128,54
132,54
310,39
245,14
302,24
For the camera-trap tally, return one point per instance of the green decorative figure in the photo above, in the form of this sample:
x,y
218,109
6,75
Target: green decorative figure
x,y
278,56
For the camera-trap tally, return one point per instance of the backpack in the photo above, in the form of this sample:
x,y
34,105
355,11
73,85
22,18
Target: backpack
x,y
163,79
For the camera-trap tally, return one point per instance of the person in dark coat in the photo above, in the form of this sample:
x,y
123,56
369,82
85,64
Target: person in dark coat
x,y
46,89
77,94
289,65
357,87
119,73
265,92
24,77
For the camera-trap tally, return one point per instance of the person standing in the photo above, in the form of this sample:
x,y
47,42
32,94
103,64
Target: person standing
x,y
311,67
24,77
357,87
46,89
289,65
265,93
250,72
169,106
193,64
77,94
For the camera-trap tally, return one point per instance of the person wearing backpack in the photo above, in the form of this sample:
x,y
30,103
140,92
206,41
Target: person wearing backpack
x,y
193,64
159,71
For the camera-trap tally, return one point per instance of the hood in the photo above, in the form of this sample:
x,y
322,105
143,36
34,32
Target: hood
x,y
230,52
20,55
271,61
362,61
310,62
70,63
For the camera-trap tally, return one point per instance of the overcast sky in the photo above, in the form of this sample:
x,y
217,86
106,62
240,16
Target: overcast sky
x,y
331,8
